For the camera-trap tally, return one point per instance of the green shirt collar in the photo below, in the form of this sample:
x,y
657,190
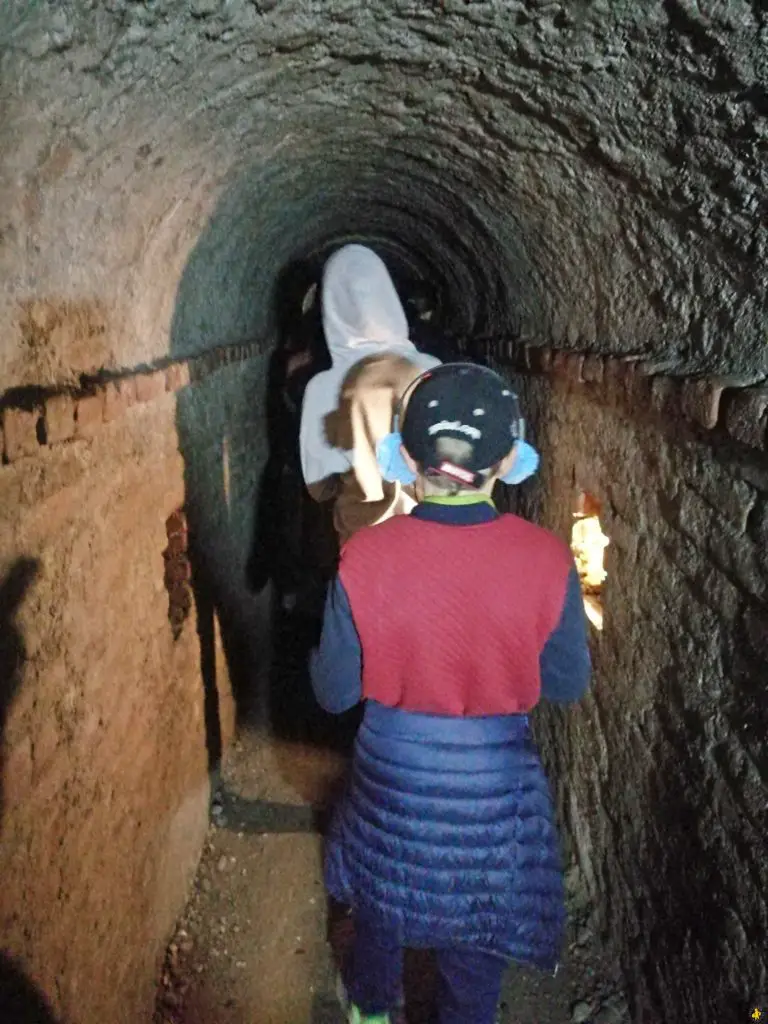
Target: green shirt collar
x,y
468,498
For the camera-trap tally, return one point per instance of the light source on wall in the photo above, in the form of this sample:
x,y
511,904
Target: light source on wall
x,y
588,543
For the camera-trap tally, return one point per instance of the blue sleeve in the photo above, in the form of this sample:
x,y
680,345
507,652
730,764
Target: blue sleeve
x,y
335,664
565,663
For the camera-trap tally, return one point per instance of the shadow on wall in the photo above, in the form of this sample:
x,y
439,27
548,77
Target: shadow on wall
x,y
13,589
20,1000
283,548
294,543
222,440
295,546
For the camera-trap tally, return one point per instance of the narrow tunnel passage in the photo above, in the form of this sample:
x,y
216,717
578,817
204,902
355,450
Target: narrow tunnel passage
x,y
580,190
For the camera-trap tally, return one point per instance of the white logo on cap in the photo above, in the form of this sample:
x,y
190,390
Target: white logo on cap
x,y
458,426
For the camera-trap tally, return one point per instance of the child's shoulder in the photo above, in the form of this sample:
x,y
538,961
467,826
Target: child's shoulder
x,y
509,529
523,529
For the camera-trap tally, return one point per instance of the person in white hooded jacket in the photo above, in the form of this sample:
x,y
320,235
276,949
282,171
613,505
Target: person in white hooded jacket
x,y
348,409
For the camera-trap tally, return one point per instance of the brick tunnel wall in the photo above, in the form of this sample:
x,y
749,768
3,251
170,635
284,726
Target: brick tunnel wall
x,y
660,773
104,746
591,174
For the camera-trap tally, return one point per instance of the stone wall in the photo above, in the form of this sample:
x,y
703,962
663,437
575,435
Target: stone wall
x,y
584,170
661,773
591,173
105,719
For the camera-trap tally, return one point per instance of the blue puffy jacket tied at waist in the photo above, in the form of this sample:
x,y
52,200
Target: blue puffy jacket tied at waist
x,y
446,836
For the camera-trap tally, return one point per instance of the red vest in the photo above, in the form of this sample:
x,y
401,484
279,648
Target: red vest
x,y
452,619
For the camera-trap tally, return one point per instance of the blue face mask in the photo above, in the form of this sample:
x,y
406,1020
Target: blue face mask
x,y
395,469
525,465
391,462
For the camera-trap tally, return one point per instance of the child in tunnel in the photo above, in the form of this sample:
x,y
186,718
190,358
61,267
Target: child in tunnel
x,y
450,624
347,409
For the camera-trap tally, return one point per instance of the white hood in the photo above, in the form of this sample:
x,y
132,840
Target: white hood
x,y
362,316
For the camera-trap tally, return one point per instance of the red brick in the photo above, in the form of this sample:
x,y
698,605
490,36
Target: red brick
x,y
177,545
176,376
150,386
20,431
574,361
638,386
700,400
657,368
538,358
618,373
119,395
701,397
177,570
511,352
89,414
180,596
746,415
665,395
176,616
593,369
176,523
587,505
558,364
59,418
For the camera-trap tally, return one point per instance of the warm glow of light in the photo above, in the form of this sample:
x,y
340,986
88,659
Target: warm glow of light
x,y
594,611
588,543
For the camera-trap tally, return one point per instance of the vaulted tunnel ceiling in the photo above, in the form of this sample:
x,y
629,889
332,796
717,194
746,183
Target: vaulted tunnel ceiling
x,y
593,174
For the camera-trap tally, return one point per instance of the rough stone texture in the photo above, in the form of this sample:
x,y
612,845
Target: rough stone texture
x,y
104,799
20,432
89,414
587,172
661,774
746,416
177,376
119,395
59,419
150,386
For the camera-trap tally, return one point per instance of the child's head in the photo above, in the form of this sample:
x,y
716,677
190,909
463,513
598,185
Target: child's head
x,y
460,429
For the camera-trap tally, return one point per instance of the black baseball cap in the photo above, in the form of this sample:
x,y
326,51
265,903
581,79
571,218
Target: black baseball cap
x,y
464,401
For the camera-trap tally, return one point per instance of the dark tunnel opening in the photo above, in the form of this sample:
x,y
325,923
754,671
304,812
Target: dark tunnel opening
x,y
276,233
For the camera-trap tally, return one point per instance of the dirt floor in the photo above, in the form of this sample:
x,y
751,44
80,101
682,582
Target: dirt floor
x,y
252,946
258,944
